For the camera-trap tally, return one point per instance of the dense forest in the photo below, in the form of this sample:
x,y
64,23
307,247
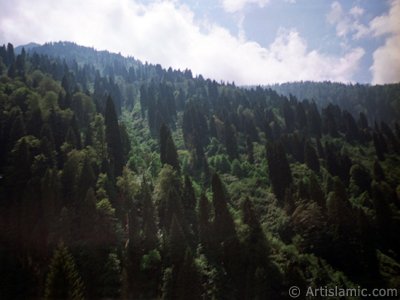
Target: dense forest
x,y
124,180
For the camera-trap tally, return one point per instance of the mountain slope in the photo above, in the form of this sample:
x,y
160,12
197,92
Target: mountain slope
x,y
125,180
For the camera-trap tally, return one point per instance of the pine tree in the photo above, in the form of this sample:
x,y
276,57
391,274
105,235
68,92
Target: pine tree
x,y
256,235
314,121
351,129
204,228
169,199
176,243
387,131
278,169
150,239
250,150
384,218
63,280
188,284
360,179
113,138
226,246
310,157
189,204
379,148
87,178
18,129
315,191
223,223
71,139
256,255
379,174
134,252
230,141
10,54
289,116
168,154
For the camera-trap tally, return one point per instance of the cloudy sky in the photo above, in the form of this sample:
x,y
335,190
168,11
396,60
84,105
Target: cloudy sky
x,y
246,41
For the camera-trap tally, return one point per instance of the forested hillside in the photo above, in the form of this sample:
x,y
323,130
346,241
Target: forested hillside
x,y
122,179
377,102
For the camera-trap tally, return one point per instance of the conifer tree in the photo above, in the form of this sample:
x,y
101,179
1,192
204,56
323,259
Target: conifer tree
x,y
256,255
223,223
169,198
379,174
86,179
230,141
226,246
150,239
383,212
168,154
63,280
310,157
314,121
18,129
113,138
360,179
250,150
10,54
176,243
189,204
71,139
379,148
278,169
188,284
204,228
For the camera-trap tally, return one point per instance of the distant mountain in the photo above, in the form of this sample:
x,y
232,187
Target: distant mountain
x,y
28,47
379,102
81,54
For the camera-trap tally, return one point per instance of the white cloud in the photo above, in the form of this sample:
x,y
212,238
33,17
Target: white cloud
x,y
233,6
347,23
388,23
335,14
386,64
167,33
356,11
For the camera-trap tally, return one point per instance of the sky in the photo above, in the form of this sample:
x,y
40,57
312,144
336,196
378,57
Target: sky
x,y
249,42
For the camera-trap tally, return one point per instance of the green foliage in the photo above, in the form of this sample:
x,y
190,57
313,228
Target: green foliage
x,y
63,280
150,260
115,157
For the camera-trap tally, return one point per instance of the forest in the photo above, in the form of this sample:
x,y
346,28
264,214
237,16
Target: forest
x,y
120,179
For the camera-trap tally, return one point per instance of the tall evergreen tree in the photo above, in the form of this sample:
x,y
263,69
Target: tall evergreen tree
x,y
224,226
310,157
63,280
256,257
204,224
189,204
379,147
188,282
278,169
168,154
176,243
150,239
113,138
230,141
169,199
227,247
